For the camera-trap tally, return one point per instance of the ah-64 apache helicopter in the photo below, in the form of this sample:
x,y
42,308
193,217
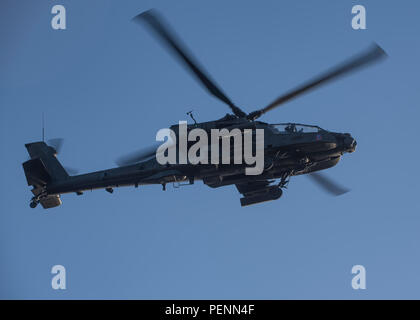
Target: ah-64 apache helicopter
x,y
289,149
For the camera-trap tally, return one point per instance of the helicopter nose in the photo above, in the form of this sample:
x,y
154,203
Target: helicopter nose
x,y
349,143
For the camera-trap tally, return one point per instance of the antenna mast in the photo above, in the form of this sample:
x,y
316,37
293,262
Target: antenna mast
x,y
43,127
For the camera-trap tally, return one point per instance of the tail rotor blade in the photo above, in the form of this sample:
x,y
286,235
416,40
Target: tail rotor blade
x,y
56,143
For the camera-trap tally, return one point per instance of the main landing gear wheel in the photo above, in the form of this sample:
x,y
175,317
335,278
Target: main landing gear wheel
x,y
33,204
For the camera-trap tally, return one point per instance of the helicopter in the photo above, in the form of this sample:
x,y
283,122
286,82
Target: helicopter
x,y
290,149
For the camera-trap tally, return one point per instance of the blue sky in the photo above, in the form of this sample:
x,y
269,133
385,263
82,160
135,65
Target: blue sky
x,y
107,86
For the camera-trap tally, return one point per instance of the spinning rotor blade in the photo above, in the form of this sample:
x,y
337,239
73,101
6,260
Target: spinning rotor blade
x,y
151,151
140,155
327,184
157,24
56,143
136,156
373,54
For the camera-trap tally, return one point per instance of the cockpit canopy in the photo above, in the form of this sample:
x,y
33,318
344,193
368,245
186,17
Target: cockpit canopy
x,y
294,127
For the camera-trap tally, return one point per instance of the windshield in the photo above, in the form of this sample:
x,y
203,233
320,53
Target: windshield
x,y
295,127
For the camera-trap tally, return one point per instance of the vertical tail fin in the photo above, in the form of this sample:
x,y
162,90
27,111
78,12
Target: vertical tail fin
x,y
42,169
47,156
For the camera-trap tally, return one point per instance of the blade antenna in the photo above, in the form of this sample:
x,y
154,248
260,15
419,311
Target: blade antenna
x,y
43,127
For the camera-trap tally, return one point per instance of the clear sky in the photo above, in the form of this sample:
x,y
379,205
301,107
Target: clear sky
x,y
106,86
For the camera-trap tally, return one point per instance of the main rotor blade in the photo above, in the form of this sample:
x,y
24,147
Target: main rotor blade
x,y
327,184
156,23
144,154
373,54
137,156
